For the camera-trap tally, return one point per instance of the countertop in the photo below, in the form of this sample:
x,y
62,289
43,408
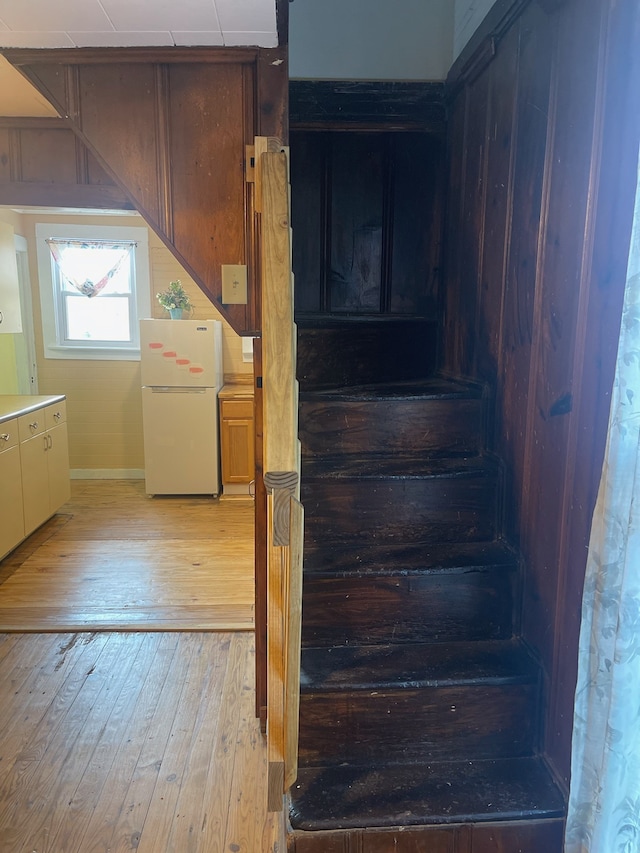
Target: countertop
x,y
14,405
236,391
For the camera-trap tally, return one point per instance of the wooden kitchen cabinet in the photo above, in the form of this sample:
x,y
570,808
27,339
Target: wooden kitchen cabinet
x,y
11,518
44,458
237,439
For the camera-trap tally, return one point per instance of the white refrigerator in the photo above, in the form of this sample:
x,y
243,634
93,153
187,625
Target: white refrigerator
x,y
181,367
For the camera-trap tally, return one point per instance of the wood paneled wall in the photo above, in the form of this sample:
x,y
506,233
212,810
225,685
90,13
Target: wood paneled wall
x,y
367,218
541,177
171,127
42,162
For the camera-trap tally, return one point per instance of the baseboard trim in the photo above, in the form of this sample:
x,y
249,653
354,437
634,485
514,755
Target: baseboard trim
x,y
107,473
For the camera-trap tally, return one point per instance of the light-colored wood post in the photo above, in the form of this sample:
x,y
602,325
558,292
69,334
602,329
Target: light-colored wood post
x,y
285,518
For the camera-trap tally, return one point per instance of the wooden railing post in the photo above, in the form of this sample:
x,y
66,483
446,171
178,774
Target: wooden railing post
x,y
285,517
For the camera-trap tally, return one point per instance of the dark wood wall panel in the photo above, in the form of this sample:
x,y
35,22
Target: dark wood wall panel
x,y
208,132
171,127
523,244
61,153
498,189
531,260
415,286
367,212
106,94
357,202
309,198
43,163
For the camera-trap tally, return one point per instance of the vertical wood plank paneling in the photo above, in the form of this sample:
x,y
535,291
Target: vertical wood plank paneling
x,y
207,149
367,216
498,205
558,307
417,208
557,206
61,149
133,155
521,269
308,211
472,224
172,128
453,297
356,222
616,141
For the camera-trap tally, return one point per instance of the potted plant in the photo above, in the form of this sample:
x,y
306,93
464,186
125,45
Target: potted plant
x,y
175,299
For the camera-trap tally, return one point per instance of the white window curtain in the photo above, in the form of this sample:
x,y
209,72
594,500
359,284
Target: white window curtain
x,y
102,258
604,803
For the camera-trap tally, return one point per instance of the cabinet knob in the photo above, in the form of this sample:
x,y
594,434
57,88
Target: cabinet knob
x,y
5,436
57,415
34,425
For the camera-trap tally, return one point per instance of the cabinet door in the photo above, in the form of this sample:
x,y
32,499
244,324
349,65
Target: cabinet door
x,y
58,466
35,481
11,517
238,465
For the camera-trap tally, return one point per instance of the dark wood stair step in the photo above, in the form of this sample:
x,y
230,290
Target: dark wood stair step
x,y
400,499
477,720
428,388
381,466
415,665
431,607
341,351
434,793
324,559
433,417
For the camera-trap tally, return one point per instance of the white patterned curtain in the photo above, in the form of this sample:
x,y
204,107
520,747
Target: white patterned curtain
x,y
604,804
89,265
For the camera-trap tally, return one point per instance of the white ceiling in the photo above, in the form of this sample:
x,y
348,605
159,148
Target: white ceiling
x,y
130,23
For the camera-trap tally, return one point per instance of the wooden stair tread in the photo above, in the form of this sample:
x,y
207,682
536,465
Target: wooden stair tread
x,y
415,665
418,389
346,797
380,467
311,320
324,558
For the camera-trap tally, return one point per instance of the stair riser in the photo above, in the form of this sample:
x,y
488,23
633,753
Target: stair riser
x,y
364,352
443,427
432,608
436,723
439,509
520,836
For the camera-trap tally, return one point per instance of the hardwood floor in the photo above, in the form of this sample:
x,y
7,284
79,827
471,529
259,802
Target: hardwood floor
x,y
132,739
114,559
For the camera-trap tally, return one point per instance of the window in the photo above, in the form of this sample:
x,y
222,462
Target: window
x,y
94,287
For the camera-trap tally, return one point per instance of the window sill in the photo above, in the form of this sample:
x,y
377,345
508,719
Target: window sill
x,y
93,353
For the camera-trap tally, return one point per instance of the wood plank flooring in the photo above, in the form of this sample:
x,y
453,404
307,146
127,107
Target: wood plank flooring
x,y
131,741
132,738
115,559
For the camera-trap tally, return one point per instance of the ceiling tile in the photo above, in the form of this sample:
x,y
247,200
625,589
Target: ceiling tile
x,y
34,39
185,15
121,39
213,39
247,15
232,39
38,16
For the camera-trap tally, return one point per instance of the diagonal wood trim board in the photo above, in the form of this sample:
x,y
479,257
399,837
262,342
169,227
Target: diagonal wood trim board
x,y
116,560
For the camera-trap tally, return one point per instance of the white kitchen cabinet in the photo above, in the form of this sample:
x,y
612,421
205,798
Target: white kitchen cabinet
x,y
10,316
11,517
44,457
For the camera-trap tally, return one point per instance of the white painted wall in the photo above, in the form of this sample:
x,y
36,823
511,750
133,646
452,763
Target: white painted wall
x,y
469,14
371,39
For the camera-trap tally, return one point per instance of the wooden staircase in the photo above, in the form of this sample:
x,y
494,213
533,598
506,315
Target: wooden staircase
x,y
420,706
